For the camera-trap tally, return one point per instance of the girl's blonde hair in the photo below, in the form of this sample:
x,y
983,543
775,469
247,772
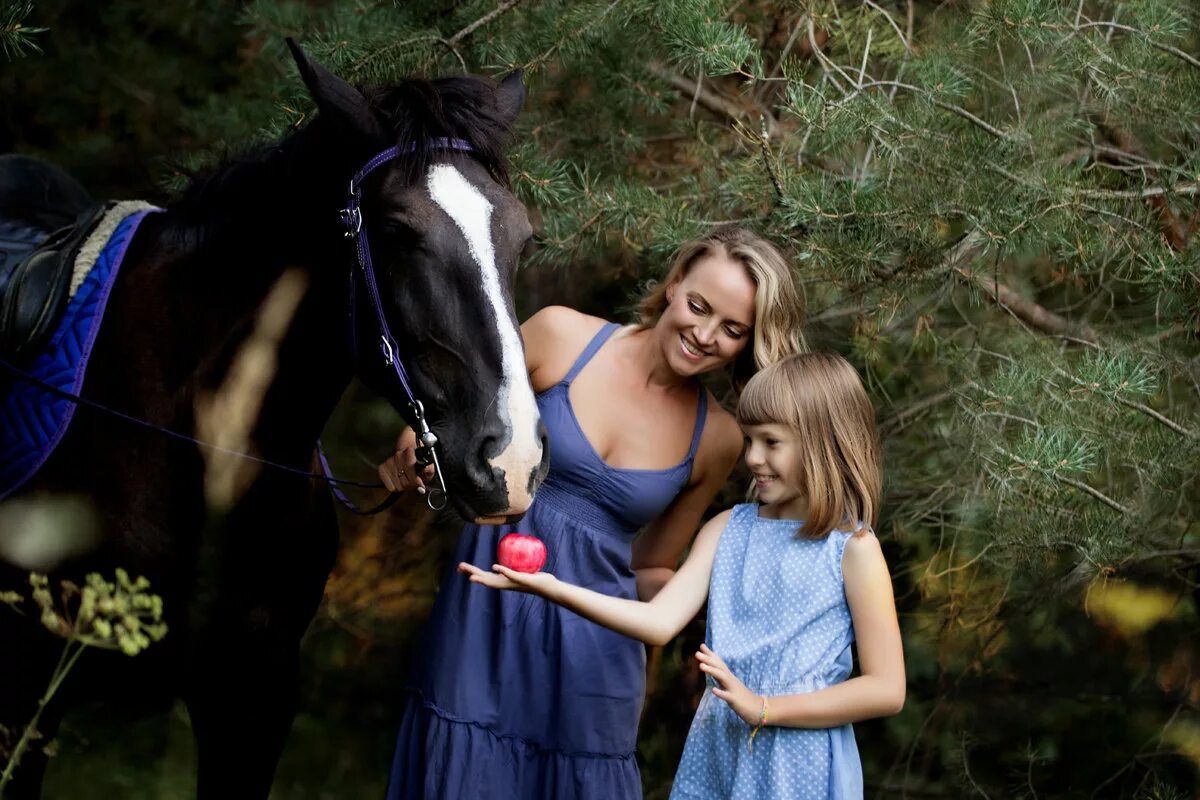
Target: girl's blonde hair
x,y
778,298
820,397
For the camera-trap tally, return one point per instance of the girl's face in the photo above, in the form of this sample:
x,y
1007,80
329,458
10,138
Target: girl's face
x,y
773,456
709,316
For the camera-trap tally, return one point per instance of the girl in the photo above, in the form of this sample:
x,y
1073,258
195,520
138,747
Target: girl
x,y
515,699
791,581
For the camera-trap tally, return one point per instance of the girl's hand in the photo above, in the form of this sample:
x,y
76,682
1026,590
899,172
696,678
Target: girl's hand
x,y
745,703
501,577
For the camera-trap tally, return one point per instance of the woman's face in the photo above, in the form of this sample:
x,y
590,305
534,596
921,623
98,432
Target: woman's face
x,y
709,317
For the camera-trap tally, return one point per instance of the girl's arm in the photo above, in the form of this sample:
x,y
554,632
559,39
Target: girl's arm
x,y
654,622
878,690
656,552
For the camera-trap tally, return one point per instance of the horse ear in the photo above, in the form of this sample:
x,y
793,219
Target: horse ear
x,y
336,98
510,95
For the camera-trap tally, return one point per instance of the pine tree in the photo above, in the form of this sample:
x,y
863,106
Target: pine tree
x,y
993,206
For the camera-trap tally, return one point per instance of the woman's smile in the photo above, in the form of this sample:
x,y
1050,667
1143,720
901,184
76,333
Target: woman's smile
x,y
691,349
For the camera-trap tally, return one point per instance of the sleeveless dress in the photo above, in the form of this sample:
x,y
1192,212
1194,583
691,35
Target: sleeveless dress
x,y
513,697
777,614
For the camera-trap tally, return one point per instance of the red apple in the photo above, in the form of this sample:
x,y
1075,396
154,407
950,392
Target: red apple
x,y
520,552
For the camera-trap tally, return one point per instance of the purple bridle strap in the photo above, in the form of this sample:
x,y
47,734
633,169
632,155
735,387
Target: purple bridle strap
x,y
352,218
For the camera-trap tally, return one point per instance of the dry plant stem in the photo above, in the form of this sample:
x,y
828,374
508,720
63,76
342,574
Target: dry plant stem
x,y
892,22
65,663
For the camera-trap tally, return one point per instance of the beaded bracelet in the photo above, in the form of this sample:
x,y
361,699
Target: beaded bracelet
x,y
762,720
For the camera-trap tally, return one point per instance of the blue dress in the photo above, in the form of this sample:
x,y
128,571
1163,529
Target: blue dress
x,y
513,697
777,615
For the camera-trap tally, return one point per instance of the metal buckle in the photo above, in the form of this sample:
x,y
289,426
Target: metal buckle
x,y
352,220
426,454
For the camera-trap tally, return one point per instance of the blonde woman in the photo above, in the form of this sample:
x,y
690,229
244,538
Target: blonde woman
x,y
517,699
791,582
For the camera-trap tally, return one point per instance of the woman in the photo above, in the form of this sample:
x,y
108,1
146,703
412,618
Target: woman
x,y
513,698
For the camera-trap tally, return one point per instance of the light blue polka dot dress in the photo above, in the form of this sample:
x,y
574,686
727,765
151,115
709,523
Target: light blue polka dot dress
x,y
777,615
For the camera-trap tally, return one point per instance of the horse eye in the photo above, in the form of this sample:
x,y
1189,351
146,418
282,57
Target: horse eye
x,y
399,232
528,249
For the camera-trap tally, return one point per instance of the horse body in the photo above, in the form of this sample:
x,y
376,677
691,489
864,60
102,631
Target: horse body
x,y
241,584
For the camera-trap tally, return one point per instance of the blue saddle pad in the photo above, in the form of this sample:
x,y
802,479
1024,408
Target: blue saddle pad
x,y
33,419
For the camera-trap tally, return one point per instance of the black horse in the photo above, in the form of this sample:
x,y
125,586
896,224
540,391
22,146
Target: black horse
x,y
241,587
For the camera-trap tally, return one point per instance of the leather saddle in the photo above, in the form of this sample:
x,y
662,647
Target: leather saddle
x,y
45,217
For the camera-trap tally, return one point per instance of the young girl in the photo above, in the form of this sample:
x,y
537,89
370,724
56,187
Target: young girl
x,y
791,582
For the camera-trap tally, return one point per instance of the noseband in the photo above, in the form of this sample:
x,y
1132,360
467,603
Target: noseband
x,y
352,219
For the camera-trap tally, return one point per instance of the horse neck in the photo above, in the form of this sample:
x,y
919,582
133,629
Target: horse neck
x,y
237,239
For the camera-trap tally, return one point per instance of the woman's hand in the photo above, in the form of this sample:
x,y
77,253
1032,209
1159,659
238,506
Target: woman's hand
x,y
500,577
400,473
745,703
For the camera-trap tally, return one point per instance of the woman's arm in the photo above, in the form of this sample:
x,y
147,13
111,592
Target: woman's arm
x,y
656,552
655,622
878,691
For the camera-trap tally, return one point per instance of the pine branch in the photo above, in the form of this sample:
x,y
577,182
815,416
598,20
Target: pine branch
x,y
1028,311
1150,412
16,38
450,43
543,57
898,419
1182,189
1103,498
711,100
1166,48
908,87
507,5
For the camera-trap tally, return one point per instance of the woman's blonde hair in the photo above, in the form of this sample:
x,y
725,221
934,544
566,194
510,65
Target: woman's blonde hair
x,y
820,397
778,298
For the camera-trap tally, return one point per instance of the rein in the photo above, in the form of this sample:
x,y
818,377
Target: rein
x,y
93,405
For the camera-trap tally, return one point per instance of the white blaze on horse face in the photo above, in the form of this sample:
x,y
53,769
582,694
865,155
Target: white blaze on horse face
x,y
472,213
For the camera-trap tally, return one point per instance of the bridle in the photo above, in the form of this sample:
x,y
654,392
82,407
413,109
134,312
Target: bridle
x,y
436,498
352,219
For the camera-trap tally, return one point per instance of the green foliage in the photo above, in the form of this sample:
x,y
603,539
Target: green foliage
x,y
993,207
16,38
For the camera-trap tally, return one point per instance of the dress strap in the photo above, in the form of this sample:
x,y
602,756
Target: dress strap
x,y
606,330
701,415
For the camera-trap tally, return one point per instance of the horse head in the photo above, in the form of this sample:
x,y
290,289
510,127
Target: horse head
x,y
443,233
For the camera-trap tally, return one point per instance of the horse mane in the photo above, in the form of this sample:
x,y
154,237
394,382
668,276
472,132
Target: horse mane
x,y
417,111
460,107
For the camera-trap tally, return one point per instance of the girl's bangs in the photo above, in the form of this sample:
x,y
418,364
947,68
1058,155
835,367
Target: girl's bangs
x,y
766,400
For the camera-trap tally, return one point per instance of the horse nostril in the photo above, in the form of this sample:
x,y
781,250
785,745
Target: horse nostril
x,y
544,464
483,449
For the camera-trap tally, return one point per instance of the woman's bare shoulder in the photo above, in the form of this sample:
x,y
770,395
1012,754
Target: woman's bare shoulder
x,y
561,322
554,337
